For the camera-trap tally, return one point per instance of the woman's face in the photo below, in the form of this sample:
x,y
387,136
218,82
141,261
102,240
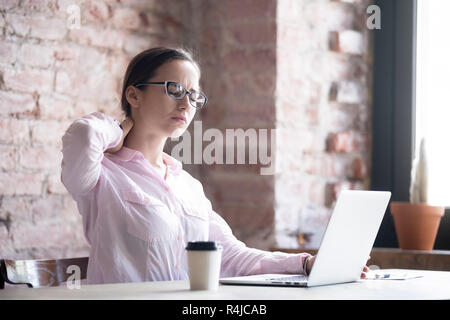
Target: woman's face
x,y
154,111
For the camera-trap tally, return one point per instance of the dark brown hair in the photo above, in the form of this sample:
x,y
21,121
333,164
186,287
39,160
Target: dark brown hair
x,y
143,67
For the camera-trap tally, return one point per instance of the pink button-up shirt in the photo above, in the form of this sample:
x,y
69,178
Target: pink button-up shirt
x,y
137,223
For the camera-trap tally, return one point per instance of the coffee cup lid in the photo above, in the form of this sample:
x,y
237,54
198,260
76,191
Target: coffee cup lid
x,y
203,245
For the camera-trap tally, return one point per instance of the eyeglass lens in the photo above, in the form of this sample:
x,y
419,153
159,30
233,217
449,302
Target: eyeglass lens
x,y
177,91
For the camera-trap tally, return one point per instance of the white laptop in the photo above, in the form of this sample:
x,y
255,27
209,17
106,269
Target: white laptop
x,y
345,246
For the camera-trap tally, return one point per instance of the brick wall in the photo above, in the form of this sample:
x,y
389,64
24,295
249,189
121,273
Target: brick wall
x,y
50,75
323,112
300,67
303,68
237,42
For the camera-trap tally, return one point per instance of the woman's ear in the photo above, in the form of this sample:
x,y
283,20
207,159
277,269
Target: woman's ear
x,y
132,96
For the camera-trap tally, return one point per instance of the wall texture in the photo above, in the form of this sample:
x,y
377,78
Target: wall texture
x,y
299,67
324,71
50,75
303,68
237,42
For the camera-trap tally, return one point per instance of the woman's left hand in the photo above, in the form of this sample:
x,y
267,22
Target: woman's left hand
x,y
313,258
127,125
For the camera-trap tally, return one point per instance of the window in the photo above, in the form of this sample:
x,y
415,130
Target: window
x,y
432,118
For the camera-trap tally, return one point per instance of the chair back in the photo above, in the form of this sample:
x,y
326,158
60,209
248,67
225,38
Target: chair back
x,y
41,273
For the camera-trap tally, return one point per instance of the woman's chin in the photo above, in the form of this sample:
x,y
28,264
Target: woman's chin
x,y
177,133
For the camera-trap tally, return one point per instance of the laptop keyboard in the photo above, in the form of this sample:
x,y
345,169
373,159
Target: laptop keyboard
x,y
298,278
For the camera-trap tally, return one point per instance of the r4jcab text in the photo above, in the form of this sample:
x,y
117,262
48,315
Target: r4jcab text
x,y
240,309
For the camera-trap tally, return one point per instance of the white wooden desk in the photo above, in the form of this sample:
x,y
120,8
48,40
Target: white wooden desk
x,y
434,285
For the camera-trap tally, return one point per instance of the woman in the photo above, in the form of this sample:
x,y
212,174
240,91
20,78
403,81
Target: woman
x,y
139,206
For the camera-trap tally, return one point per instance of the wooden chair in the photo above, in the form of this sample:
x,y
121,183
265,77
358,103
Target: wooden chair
x,y
39,273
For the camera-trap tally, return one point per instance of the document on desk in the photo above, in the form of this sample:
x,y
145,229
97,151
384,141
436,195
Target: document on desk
x,y
393,275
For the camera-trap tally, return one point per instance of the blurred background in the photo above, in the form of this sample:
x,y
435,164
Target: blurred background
x,y
312,70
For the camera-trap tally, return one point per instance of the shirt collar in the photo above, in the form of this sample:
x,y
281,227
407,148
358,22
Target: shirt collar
x,y
173,164
127,154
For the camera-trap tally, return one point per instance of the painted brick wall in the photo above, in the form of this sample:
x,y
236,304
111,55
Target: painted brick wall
x,y
50,75
323,112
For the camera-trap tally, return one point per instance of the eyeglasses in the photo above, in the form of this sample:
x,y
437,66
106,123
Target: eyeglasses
x,y
177,91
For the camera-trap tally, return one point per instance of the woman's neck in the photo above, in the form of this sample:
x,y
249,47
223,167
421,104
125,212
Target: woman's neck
x,y
150,145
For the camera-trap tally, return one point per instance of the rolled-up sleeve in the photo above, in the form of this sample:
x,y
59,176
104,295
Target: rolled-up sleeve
x,y
239,260
83,145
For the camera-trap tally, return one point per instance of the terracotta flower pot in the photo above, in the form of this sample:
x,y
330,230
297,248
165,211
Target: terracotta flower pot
x,y
416,224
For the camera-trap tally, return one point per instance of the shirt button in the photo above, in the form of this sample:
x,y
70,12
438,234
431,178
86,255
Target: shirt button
x,y
177,266
179,237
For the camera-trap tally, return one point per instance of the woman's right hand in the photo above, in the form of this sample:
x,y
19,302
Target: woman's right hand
x,y
310,264
127,124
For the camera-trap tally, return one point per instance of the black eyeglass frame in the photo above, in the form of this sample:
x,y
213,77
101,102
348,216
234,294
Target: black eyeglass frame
x,y
186,91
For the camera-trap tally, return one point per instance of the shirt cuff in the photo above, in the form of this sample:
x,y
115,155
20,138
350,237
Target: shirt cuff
x,y
304,261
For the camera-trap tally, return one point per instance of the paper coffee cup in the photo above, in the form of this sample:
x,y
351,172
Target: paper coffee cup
x,y
204,259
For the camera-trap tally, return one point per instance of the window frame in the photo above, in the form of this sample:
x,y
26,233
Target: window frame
x,y
394,109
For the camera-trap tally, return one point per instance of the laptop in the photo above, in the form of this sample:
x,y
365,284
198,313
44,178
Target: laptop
x,y
345,246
